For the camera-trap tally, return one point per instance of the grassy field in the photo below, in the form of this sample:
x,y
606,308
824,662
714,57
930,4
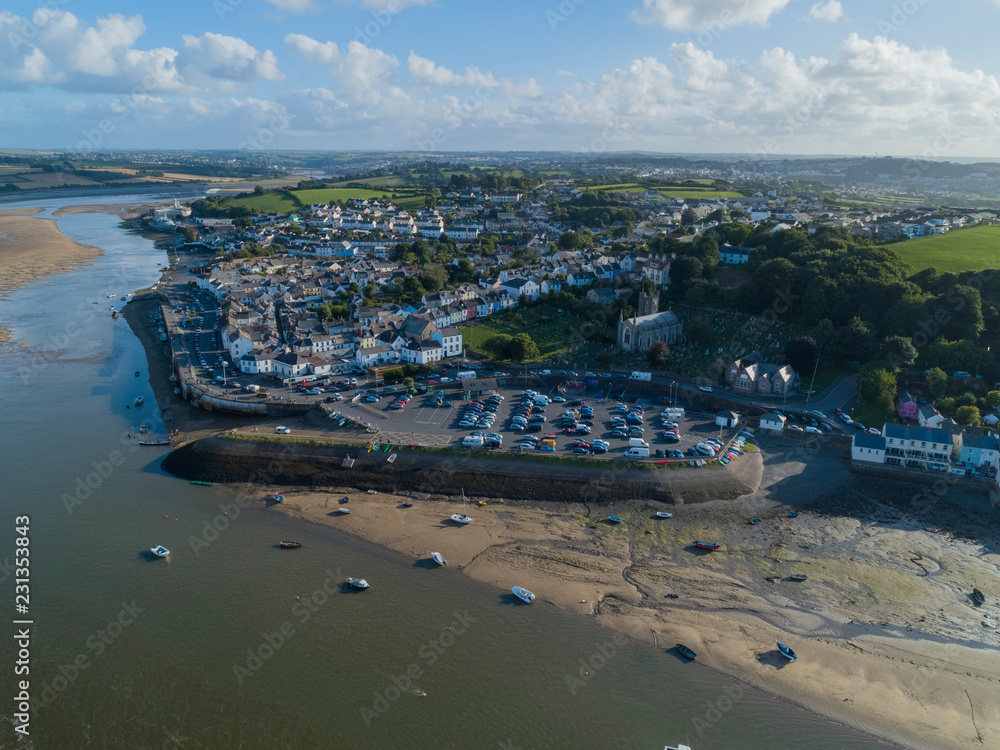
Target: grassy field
x,y
268,203
703,189
970,249
870,416
554,334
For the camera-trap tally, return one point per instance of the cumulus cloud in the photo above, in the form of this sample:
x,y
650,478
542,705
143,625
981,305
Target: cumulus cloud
x,y
682,15
829,12
427,73
293,6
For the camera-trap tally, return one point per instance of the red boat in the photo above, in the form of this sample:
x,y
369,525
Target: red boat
x,y
290,545
707,545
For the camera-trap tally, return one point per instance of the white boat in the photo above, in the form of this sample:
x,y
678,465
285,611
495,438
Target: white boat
x,y
664,514
138,401
523,594
358,583
679,747
460,518
438,558
345,511
392,457
160,551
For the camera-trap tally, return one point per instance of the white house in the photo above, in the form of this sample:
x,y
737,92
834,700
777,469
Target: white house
x,y
733,256
772,421
727,419
516,287
868,448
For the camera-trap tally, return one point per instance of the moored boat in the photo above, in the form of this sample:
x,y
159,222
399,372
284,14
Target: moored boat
x,y
161,441
138,401
460,518
203,484
160,551
787,652
707,545
664,514
290,545
278,498
978,597
523,594
679,747
345,511
438,558
358,583
392,457
614,519
799,576
754,521
686,652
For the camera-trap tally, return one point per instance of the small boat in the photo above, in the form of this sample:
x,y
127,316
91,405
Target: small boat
x,y
679,747
482,503
203,484
686,652
799,576
407,504
278,498
755,521
371,492
438,558
138,401
793,514
143,429
523,594
161,441
460,518
345,499
160,551
358,583
345,511
614,519
978,597
137,373
707,545
391,458
290,545
664,514
787,652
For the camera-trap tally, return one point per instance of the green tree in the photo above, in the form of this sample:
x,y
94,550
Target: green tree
x,y
968,415
937,381
802,354
190,234
408,383
684,270
689,217
498,347
523,348
698,330
992,400
897,352
878,387
658,354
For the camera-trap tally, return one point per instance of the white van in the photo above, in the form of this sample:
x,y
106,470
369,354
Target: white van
x,y
638,442
541,400
637,453
473,440
466,375
641,376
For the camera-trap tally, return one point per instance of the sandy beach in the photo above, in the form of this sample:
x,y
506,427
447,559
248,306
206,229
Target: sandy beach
x,y
35,248
888,639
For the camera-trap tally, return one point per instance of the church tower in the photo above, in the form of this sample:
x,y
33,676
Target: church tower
x,y
649,304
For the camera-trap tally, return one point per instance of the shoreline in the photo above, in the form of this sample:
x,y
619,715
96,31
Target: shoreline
x,y
857,666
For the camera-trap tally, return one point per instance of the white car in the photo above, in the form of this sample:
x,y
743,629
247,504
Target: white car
x,y
314,391
813,430
282,430
705,388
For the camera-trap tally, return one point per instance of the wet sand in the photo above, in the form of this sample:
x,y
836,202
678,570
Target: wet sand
x,y
887,637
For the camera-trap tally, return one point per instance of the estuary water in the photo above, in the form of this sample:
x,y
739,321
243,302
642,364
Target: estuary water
x,y
233,643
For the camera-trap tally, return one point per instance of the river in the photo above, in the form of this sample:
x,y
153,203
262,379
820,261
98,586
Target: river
x,y
234,643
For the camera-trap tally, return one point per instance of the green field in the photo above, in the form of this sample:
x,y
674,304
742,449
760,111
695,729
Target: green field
x,y
704,189
277,203
970,249
553,333
407,200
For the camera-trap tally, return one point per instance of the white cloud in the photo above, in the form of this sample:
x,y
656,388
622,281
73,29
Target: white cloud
x,y
829,12
394,6
293,6
428,73
690,14
214,59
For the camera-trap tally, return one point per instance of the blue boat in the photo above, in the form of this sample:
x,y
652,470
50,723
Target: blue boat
x,y
686,652
787,652
754,522
614,519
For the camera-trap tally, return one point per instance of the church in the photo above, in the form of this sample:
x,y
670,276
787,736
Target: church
x,y
636,334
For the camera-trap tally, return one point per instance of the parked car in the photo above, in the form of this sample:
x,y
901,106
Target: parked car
x,y
282,430
705,388
814,430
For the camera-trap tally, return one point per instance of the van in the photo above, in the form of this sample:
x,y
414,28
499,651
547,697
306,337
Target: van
x,y
541,400
466,375
548,442
647,376
637,453
637,442
252,388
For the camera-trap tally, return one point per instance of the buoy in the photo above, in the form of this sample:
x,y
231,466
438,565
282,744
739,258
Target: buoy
x,y
166,516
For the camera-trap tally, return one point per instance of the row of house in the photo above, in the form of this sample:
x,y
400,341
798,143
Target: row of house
x,y
957,449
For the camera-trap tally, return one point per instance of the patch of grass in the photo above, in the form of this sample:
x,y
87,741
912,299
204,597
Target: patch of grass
x,y
277,203
555,334
972,249
825,375
870,415
405,199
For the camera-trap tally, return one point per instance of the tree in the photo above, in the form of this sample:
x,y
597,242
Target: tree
x,y
522,348
647,285
992,400
684,270
968,415
897,352
937,381
498,347
190,234
658,354
802,354
408,383
878,387
688,217
698,330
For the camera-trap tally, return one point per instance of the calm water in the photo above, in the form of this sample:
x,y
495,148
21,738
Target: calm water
x,y
132,653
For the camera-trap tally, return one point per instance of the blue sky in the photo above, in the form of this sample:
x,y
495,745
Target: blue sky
x,y
770,77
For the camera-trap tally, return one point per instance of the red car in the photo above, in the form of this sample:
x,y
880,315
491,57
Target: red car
x,y
581,444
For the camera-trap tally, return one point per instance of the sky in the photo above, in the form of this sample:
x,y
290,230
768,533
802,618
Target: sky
x,y
765,77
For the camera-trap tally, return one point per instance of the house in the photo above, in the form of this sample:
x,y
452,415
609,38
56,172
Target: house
x,y
518,286
772,421
751,376
602,296
732,255
657,269
928,416
868,448
726,419
981,453
907,407
920,447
